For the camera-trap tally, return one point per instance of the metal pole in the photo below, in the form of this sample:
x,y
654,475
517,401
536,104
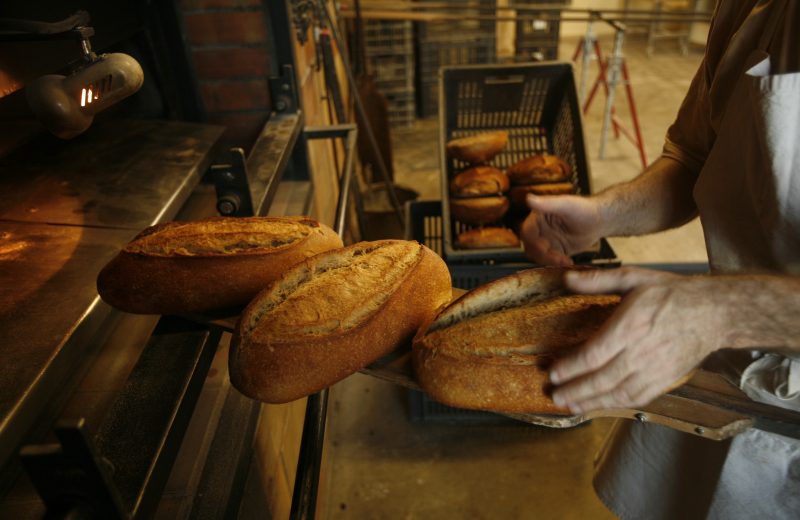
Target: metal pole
x,y
613,70
363,114
588,49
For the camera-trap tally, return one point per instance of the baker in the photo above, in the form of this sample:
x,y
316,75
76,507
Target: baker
x,y
732,156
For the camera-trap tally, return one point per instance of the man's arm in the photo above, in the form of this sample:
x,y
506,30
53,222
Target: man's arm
x,y
559,226
666,325
659,198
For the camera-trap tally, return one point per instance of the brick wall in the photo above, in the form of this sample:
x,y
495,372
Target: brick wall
x,y
228,42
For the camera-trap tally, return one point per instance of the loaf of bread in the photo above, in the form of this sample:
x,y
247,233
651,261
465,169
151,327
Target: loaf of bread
x,y
332,315
518,194
490,349
487,237
211,264
479,210
539,169
479,181
478,148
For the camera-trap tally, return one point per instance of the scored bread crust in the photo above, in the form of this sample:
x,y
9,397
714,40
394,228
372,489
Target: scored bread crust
x,y
478,148
210,264
284,368
539,169
486,351
479,180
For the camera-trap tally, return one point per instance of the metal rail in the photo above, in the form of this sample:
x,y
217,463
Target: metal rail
x,y
309,462
423,15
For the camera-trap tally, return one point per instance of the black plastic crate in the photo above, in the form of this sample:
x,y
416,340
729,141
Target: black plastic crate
x,y
455,49
537,104
537,40
388,37
424,223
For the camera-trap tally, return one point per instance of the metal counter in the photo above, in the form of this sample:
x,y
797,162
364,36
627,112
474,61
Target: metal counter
x,y
65,210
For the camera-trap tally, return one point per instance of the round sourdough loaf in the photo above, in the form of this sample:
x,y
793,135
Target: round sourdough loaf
x,y
332,315
211,264
478,181
487,237
489,349
539,169
477,148
479,210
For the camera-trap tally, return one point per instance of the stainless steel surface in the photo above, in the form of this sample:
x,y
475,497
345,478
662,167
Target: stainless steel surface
x,y
59,200
49,309
269,157
123,174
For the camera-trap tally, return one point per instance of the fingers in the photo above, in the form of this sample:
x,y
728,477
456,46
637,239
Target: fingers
x,y
550,203
590,357
603,281
538,248
632,392
541,251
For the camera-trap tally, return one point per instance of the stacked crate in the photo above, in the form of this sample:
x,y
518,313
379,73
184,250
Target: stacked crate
x,y
389,48
460,42
537,39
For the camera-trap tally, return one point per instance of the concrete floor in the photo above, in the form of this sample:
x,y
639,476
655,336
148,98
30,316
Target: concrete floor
x,y
384,465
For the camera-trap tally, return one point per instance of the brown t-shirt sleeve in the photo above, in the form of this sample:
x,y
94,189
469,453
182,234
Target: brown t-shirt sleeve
x,y
690,137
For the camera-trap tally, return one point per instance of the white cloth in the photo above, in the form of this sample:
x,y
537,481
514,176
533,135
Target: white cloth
x,y
773,380
740,128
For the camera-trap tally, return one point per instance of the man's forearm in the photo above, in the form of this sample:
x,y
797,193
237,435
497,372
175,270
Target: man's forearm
x,y
658,199
761,312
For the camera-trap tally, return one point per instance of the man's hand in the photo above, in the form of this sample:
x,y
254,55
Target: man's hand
x,y
559,226
664,327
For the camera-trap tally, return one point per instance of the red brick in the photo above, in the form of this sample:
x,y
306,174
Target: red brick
x,y
216,4
231,63
234,27
242,129
226,96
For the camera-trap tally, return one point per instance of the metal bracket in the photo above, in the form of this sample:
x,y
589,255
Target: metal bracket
x,y
284,91
121,471
71,478
233,187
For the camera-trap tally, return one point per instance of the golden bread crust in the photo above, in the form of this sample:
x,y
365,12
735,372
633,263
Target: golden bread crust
x,y
479,210
490,349
216,263
356,323
539,169
487,237
478,148
478,181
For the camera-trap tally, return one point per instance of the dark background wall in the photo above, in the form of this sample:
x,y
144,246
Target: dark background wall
x,y
204,60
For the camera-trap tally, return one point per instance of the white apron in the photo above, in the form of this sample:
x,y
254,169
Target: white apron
x,y
748,195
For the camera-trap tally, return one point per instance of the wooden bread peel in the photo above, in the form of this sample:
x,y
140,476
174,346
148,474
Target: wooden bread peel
x,y
707,405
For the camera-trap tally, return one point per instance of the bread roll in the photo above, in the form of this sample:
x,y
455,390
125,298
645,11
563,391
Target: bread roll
x,y
479,210
216,263
539,169
489,350
479,181
478,148
481,238
332,315
518,194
